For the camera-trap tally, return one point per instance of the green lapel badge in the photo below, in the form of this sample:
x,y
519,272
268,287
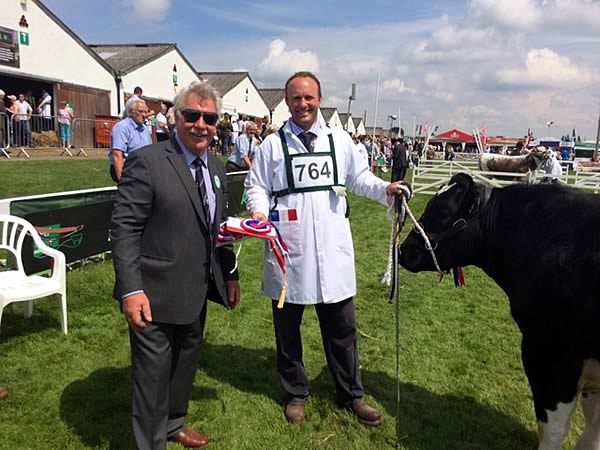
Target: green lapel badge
x,y
217,182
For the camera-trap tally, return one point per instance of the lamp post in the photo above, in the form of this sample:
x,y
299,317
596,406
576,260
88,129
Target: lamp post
x,y
352,97
392,118
549,124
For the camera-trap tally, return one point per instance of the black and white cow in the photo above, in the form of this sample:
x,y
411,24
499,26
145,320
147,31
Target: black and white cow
x,y
528,163
541,244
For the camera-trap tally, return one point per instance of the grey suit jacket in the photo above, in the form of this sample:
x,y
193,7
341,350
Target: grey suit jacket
x,y
160,238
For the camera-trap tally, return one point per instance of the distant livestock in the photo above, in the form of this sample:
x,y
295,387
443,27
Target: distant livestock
x,y
529,163
541,244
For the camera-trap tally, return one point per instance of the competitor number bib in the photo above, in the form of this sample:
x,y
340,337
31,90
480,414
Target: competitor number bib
x,y
312,170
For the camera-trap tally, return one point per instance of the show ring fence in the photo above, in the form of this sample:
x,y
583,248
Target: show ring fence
x,y
45,132
429,175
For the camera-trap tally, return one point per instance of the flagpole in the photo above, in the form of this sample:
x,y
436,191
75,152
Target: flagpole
x,y
597,139
399,123
376,105
375,122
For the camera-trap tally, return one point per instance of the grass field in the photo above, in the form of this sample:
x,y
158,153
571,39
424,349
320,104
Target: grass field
x,y
461,382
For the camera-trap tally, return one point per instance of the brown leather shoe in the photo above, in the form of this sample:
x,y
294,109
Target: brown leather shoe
x,y
190,438
294,411
3,392
365,413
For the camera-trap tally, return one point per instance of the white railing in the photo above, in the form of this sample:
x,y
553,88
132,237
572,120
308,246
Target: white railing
x,y
429,175
47,132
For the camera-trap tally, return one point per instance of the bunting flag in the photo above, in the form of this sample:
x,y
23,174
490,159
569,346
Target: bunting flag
x,y
426,134
482,138
529,137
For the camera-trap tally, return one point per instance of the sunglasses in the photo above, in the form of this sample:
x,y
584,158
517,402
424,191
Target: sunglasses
x,y
193,115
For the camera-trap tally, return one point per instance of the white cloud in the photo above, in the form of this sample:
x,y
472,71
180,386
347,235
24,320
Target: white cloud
x,y
397,86
434,80
150,9
444,96
519,14
574,12
545,68
281,63
461,44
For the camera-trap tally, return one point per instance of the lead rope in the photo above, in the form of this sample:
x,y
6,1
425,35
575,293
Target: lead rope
x,y
400,214
397,214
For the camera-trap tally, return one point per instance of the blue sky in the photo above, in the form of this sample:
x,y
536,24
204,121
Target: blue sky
x,y
509,65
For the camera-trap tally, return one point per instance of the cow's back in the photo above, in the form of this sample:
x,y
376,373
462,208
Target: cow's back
x,y
542,246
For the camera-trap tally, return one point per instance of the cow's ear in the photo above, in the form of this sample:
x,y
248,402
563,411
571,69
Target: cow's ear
x,y
462,179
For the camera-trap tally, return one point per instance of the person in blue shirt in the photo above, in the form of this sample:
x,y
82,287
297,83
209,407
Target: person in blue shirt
x,y
245,146
127,136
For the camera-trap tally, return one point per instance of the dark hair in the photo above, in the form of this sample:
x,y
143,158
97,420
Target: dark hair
x,y
304,74
137,90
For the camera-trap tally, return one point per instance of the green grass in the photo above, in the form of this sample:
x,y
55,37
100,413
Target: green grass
x,y
19,178
462,385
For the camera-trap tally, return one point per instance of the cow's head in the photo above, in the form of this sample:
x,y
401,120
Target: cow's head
x,y
536,157
446,215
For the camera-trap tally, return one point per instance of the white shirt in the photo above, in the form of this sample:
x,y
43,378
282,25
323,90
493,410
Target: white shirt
x,y
23,109
44,107
161,123
320,241
362,150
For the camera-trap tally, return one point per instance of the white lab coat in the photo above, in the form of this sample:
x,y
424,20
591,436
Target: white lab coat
x,y
320,241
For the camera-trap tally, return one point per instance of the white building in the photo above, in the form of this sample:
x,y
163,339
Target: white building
x,y
39,52
159,69
359,126
331,117
347,123
275,101
240,94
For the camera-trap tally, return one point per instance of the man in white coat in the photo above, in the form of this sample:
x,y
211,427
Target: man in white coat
x,y
298,181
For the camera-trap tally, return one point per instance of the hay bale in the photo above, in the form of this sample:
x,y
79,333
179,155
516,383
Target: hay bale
x,y
45,139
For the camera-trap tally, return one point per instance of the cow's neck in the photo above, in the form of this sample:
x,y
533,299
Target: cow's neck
x,y
464,249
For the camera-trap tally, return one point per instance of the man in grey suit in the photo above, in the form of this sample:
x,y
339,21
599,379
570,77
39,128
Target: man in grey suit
x,y
170,200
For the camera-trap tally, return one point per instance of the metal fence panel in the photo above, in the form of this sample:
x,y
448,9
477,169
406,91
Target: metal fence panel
x,y
5,134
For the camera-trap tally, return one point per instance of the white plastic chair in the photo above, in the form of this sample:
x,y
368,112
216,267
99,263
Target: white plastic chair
x,y
16,285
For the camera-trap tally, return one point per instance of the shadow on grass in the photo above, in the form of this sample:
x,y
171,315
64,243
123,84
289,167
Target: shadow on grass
x,y
15,325
246,369
460,422
96,408
428,419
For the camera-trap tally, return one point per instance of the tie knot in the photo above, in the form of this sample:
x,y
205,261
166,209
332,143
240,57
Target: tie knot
x,y
198,162
307,138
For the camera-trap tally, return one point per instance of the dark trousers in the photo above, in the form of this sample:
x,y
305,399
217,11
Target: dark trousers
x,y
22,133
164,358
113,174
398,173
233,167
338,333
162,137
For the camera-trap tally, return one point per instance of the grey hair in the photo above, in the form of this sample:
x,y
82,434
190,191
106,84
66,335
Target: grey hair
x,y
1,94
203,90
133,104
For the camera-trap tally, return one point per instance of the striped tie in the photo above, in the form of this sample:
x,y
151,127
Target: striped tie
x,y
307,139
200,184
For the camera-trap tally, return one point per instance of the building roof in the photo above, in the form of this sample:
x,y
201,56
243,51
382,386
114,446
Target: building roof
x,y
224,81
454,135
344,117
125,58
328,113
72,34
272,97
